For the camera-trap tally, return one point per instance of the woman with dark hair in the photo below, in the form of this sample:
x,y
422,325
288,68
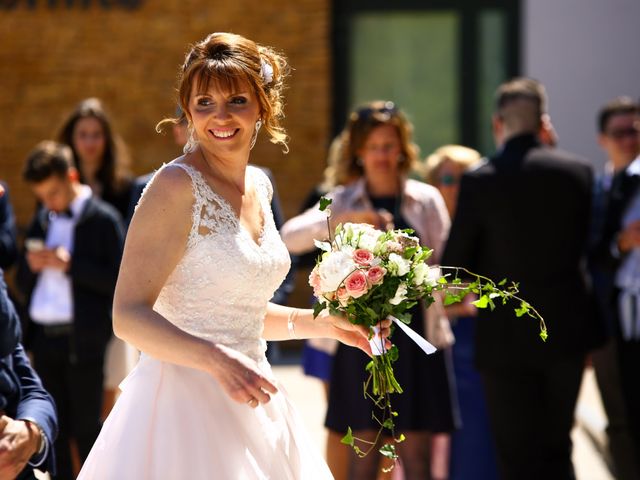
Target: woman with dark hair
x,y
378,148
101,156
102,161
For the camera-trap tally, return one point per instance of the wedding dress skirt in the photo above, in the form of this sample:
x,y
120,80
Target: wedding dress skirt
x,y
176,423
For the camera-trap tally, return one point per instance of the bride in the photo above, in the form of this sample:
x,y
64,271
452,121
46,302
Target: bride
x,y
201,261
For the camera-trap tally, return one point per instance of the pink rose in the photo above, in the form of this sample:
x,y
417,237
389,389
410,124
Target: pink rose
x,y
376,274
314,281
363,257
356,284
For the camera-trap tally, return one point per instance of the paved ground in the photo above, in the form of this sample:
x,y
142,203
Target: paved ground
x,y
308,396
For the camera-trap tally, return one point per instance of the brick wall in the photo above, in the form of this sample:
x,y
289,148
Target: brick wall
x,y
53,55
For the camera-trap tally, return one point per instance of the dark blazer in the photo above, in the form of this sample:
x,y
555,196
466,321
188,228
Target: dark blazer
x,y
22,395
524,215
623,188
8,231
95,261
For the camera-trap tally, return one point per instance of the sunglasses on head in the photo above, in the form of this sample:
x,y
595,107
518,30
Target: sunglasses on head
x,y
620,133
388,109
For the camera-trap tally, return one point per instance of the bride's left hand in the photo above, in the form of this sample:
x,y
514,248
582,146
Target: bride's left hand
x,y
356,335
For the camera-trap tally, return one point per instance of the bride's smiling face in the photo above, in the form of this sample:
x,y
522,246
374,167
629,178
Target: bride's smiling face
x,y
224,119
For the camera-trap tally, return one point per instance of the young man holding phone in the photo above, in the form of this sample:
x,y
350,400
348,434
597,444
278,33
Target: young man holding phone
x,y
68,274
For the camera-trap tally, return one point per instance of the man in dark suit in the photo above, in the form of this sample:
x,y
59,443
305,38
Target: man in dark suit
x,y
28,423
618,256
524,215
68,275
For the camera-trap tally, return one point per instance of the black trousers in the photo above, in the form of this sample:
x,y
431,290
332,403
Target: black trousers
x,y
532,413
76,387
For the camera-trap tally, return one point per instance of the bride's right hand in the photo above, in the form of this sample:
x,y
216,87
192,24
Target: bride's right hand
x,y
240,377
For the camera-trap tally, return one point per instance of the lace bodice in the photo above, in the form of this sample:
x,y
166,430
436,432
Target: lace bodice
x,y
220,288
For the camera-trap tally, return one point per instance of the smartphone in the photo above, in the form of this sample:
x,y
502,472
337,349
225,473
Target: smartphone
x,y
34,244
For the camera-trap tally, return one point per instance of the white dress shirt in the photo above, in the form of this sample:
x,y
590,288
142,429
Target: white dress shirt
x,y
52,300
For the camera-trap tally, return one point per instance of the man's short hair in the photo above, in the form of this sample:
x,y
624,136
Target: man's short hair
x,y
618,106
521,102
47,159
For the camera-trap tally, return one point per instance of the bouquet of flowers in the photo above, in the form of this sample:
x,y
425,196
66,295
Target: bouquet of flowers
x,y
369,275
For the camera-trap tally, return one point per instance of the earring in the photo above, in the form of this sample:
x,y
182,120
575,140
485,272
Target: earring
x,y
192,143
255,134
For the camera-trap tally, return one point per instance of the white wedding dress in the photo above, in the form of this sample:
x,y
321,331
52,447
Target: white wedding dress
x,y
173,422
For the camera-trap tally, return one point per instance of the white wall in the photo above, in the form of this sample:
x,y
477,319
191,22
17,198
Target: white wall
x,y
586,52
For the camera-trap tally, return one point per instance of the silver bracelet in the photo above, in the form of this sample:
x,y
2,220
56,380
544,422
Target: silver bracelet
x,y
291,323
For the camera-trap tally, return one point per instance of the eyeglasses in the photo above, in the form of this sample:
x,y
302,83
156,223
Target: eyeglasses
x,y
448,180
387,110
620,133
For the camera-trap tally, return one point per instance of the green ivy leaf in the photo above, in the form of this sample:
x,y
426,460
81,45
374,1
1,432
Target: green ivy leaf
x,y
401,438
544,335
451,298
348,438
502,282
524,308
482,302
324,203
389,451
388,423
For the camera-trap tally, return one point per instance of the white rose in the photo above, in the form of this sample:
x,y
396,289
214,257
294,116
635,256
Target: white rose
x,y
420,271
432,277
398,266
333,269
400,296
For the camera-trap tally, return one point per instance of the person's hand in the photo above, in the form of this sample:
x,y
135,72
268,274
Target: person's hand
x,y
378,218
60,259
629,237
37,261
240,377
57,258
354,335
19,441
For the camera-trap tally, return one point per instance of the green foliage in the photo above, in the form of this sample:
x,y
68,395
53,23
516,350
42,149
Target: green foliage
x,y
348,438
389,451
317,308
324,203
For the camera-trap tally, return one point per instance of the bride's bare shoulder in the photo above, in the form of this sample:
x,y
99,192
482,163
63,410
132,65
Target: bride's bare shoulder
x,y
172,179
169,190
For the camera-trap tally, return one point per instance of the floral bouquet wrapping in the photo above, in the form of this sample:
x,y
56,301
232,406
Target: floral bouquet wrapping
x,y
369,275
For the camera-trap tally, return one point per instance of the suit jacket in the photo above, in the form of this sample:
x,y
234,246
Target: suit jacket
x,y
22,395
8,231
524,215
95,261
605,257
